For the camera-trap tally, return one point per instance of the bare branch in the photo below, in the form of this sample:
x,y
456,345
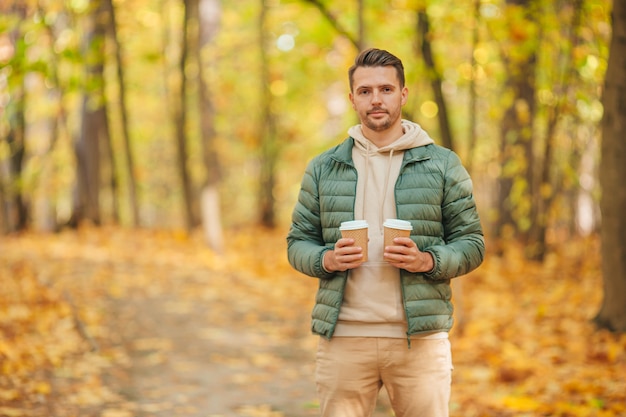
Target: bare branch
x,y
334,22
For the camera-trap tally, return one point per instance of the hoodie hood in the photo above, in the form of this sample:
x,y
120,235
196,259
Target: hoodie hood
x,y
414,136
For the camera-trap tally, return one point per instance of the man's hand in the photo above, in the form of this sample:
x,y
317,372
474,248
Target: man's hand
x,y
404,254
345,256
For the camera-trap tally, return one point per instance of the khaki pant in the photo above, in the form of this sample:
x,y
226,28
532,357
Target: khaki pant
x,y
351,370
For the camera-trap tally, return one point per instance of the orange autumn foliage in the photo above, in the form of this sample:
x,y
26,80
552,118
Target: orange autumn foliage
x,y
92,322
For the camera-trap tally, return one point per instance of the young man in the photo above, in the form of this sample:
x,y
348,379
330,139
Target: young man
x,y
384,321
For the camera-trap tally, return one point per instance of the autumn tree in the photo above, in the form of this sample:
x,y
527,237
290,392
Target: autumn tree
x,y
15,212
612,314
473,94
94,132
268,141
434,76
45,219
564,78
208,13
124,112
516,132
180,117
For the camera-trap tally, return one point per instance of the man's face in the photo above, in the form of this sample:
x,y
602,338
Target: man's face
x,y
377,97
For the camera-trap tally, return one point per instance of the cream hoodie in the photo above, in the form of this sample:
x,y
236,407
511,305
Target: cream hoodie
x,y
372,305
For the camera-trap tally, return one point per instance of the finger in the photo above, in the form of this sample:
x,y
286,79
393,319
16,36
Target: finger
x,y
403,241
350,254
398,250
392,257
350,261
344,242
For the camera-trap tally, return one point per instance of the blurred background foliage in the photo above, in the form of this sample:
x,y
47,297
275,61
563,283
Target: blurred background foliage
x,y
110,94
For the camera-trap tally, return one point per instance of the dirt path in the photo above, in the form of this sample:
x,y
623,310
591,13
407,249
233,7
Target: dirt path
x,y
183,364
226,343
197,349
187,365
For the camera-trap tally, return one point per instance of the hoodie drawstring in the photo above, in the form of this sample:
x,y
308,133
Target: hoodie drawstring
x,y
386,186
367,175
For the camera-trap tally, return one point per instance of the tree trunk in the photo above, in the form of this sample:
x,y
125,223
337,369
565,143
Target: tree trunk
x,y
209,12
269,147
612,314
130,165
544,190
516,129
4,218
94,132
361,29
180,121
435,78
473,96
16,207
16,138
48,220
423,32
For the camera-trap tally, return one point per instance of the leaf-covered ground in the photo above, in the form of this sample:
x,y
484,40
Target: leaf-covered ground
x,y
117,323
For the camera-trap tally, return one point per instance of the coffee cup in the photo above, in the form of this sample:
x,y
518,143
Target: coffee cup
x,y
357,230
396,228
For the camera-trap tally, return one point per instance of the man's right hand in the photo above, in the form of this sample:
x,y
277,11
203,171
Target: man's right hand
x,y
345,256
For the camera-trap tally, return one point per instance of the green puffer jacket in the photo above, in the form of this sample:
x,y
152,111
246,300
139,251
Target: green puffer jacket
x,y
433,191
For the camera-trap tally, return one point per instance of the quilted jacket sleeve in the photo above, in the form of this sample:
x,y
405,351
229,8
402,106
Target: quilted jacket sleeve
x,y
464,247
305,244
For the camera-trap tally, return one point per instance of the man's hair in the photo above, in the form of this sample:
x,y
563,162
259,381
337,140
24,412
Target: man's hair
x,y
377,58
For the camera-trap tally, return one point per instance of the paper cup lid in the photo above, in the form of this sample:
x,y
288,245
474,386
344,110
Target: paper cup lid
x,y
353,225
398,224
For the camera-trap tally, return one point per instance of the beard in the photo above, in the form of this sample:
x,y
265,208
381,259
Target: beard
x,y
379,125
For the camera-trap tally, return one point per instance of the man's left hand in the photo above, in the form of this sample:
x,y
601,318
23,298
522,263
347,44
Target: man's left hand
x,y
404,254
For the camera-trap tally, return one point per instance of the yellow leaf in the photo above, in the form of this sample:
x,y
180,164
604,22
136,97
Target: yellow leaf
x,y
114,412
42,387
11,412
521,403
9,394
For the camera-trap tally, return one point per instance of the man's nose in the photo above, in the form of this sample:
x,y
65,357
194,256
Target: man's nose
x,y
376,97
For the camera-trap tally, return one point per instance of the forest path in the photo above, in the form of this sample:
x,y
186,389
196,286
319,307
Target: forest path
x,y
184,363
214,340
217,336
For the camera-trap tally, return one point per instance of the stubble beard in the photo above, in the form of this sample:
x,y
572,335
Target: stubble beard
x,y
380,125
